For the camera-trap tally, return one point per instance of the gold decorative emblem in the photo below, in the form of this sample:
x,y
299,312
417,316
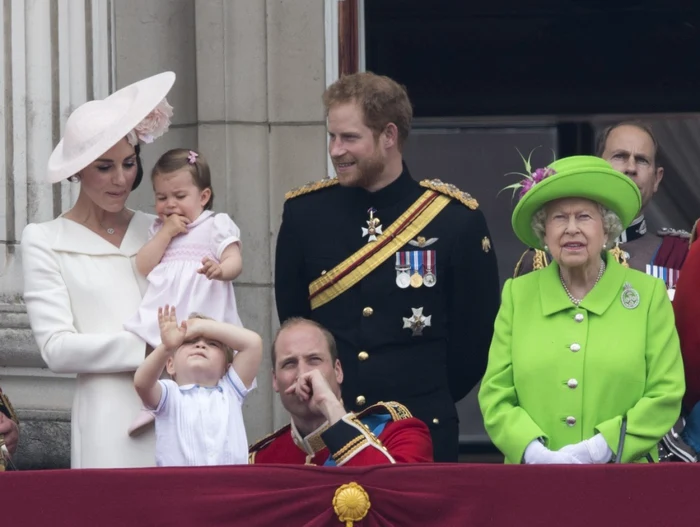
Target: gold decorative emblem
x,y
420,241
351,503
486,244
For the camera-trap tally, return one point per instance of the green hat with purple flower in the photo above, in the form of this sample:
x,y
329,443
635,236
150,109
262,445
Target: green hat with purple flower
x,y
586,177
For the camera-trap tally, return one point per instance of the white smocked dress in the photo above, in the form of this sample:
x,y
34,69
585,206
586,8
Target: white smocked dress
x,y
176,282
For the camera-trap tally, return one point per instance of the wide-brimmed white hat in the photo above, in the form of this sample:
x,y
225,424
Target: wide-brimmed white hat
x,y
96,126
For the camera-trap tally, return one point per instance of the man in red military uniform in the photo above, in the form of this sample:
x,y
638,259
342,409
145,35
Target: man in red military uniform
x,y
307,374
685,443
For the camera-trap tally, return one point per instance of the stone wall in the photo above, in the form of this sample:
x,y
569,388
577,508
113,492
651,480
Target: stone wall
x,y
250,75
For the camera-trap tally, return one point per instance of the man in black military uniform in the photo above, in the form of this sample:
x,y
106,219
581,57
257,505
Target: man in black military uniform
x,y
402,273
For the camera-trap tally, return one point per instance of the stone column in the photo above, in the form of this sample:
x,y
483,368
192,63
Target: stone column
x,y
56,55
260,76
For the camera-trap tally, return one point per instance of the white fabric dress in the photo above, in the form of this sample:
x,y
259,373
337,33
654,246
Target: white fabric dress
x,y
79,289
175,281
201,426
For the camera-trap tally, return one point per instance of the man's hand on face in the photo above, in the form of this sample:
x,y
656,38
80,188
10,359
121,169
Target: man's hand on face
x,y
311,387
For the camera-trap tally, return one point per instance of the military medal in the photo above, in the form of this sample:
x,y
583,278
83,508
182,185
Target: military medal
x,y
629,297
416,277
429,278
416,280
417,322
374,227
403,267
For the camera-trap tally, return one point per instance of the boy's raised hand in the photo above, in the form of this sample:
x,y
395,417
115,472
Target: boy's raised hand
x,y
172,335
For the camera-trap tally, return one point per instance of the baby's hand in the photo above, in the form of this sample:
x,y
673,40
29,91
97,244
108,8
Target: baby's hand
x,y
175,224
171,335
210,269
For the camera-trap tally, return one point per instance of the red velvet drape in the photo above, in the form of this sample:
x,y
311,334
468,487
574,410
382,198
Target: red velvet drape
x,y
401,496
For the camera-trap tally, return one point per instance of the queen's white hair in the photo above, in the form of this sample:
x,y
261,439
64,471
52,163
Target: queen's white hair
x,y
612,226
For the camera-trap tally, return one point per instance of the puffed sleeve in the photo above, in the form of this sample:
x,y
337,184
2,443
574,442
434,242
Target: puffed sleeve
x,y
508,425
155,227
659,407
224,234
48,305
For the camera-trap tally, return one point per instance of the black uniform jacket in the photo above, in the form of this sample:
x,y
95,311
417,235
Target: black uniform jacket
x,y
381,358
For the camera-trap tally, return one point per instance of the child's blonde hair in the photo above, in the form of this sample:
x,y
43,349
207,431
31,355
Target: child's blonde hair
x,y
179,158
227,350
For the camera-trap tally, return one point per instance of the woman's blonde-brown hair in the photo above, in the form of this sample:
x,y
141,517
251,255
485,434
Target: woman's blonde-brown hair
x,y
179,158
381,99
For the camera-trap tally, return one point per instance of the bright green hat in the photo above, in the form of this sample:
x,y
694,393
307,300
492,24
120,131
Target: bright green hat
x,y
576,177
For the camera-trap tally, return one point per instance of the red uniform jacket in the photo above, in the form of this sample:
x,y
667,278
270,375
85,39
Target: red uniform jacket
x,y
350,442
686,306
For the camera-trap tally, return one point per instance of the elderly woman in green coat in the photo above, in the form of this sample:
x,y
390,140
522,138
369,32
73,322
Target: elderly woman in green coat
x,y
585,359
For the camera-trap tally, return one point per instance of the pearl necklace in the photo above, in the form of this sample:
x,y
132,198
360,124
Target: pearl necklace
x,y
577,301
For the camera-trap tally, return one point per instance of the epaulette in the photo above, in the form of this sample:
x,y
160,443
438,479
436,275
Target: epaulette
x,y
450,190
262,443
619,255
311,187
396,410
539,261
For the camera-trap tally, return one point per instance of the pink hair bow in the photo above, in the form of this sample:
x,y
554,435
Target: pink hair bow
x,y
192,157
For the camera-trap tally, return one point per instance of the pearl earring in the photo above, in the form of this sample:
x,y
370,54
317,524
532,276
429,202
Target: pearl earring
x,y
546,248
605,246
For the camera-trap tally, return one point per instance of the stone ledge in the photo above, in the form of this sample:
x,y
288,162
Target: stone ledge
x,y
44,441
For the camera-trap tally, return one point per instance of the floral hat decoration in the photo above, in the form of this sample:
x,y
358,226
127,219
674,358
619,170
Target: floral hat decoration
x,y
138,112
586,177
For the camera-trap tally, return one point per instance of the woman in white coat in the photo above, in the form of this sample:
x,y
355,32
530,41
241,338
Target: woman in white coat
x,y
80,281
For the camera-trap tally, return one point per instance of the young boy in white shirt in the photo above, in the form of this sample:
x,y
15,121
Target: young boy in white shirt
x,y
198,413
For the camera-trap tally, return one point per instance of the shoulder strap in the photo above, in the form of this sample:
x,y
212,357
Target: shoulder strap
x,y
265,441
397,411
311,187
448,189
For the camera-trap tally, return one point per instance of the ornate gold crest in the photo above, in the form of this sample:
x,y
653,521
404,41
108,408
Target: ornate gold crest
x,y
351,503
486,244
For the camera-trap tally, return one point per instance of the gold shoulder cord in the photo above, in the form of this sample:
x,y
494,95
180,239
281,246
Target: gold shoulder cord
x,y
539,261
448,189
